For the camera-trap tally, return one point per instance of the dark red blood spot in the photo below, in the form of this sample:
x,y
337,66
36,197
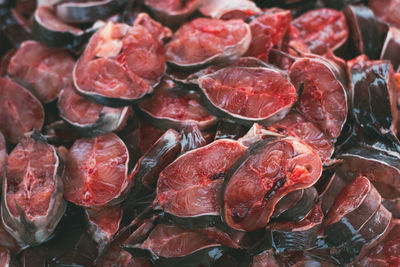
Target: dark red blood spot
x,y
270,170
219,175
278,184
239,213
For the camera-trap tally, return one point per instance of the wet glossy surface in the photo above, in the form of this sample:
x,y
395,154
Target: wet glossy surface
x,y
129,60
88,117
296,125
191,185
259,180
321,29
176,107
267,30
249,93
364,30
32,202
161,153
21,110
214,40
96,170
373,94
322,95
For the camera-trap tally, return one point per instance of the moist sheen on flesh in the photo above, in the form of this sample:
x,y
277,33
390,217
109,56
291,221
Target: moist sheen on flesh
x,y
386,252
96,170
269,170
104,223
267,30
32,202
323,99
120,64
172,241
296,125
89,118
249,94
46,70
172,13
355,204
21,111
176,107
191,185
321,29
204,40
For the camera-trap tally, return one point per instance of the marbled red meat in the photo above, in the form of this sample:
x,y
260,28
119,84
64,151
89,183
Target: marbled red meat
x,y
191,185
96,171
103,223
175,107
120,64
32,193
267,30
321,29
270,170
203,41
21,111
89,118
323,99
296,125
46,70
262,95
